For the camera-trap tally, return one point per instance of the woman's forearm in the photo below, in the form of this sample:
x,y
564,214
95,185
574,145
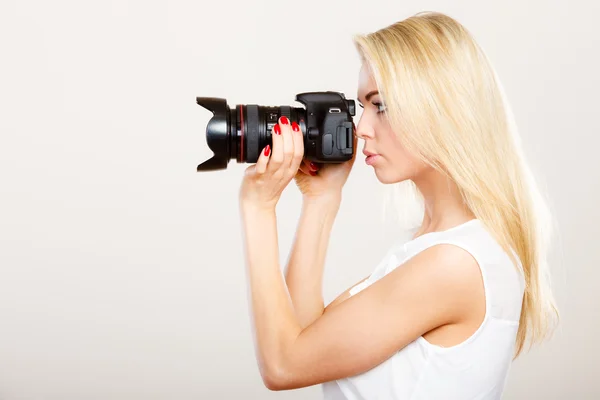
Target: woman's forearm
x,y
304,270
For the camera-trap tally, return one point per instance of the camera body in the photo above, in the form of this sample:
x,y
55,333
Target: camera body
x,y
329,127
326,124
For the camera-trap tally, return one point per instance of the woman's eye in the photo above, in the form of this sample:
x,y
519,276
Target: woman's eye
x,y
380,107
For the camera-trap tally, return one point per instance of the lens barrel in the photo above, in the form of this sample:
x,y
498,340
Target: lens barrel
x,y
255,127
243,132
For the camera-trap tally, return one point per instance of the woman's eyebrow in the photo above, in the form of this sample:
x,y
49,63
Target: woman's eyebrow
x,y
368,96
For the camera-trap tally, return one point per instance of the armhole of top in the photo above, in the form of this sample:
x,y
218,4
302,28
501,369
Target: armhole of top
x,y
486,293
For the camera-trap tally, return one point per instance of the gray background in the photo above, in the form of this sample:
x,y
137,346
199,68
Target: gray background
x,y
121,270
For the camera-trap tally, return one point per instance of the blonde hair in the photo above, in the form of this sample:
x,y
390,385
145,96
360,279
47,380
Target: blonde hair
x,y
447,106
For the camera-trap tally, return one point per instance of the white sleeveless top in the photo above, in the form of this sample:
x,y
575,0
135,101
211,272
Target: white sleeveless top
x,y
474,369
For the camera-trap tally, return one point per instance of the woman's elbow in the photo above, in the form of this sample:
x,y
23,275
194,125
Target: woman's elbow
x,y
278,379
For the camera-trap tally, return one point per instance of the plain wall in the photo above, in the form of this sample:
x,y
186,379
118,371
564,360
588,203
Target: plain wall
x,y
121,269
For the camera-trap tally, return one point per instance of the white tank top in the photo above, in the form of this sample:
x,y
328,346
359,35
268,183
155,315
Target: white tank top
x,y
474,369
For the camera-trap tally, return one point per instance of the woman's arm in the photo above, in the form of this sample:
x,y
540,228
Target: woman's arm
x,y
304,271
344,296
434,288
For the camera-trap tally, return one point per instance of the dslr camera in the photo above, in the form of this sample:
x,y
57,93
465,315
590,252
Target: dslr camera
x,y
241,133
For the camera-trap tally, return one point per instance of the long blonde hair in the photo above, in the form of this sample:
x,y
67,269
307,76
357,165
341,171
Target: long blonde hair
x,y
447,106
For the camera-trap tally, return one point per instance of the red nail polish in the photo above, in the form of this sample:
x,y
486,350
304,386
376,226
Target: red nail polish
x,y
267,150
284,120
313,173
313,166
295,127
277,129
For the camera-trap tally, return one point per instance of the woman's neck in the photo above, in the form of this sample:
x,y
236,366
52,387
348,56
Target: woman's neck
x,y
444,206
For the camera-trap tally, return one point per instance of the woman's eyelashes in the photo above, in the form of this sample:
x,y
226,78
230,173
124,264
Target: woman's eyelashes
x,y
380,110
378,105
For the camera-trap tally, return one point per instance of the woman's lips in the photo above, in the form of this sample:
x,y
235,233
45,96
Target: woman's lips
x,y
371,159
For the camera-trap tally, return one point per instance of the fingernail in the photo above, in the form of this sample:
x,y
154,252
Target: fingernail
x,y
313,173
313,166
295,127
284,120
267,150
277,129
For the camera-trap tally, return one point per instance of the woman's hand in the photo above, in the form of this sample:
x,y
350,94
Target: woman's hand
x,y
264,181
324,181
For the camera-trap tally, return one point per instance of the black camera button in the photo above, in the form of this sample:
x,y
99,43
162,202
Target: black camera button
x,y
328,144
313,133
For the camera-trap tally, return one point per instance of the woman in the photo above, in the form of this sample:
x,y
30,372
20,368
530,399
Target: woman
x,y
443,315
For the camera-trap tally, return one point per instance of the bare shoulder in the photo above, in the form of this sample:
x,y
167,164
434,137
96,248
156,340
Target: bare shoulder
x,y
449,261
451,277
449,270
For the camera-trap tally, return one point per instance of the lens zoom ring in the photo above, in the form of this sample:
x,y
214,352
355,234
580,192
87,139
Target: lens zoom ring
x,y
286,111
252,136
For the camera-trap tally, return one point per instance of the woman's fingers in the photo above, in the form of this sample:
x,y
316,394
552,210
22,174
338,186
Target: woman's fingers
x,y
263,160
311,166
276,158
288,148
288,141
306,167
298,147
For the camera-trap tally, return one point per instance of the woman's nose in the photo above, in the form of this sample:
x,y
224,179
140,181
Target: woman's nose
x,y
360,131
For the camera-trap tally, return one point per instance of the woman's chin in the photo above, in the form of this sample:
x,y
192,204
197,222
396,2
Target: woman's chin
x,y
387,177
383,177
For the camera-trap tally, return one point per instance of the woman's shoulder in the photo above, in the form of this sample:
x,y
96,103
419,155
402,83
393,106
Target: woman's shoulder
x,y
443,247
502,280
472,236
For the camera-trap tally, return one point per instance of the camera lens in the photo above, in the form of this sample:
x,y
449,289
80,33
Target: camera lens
x,y
242,133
